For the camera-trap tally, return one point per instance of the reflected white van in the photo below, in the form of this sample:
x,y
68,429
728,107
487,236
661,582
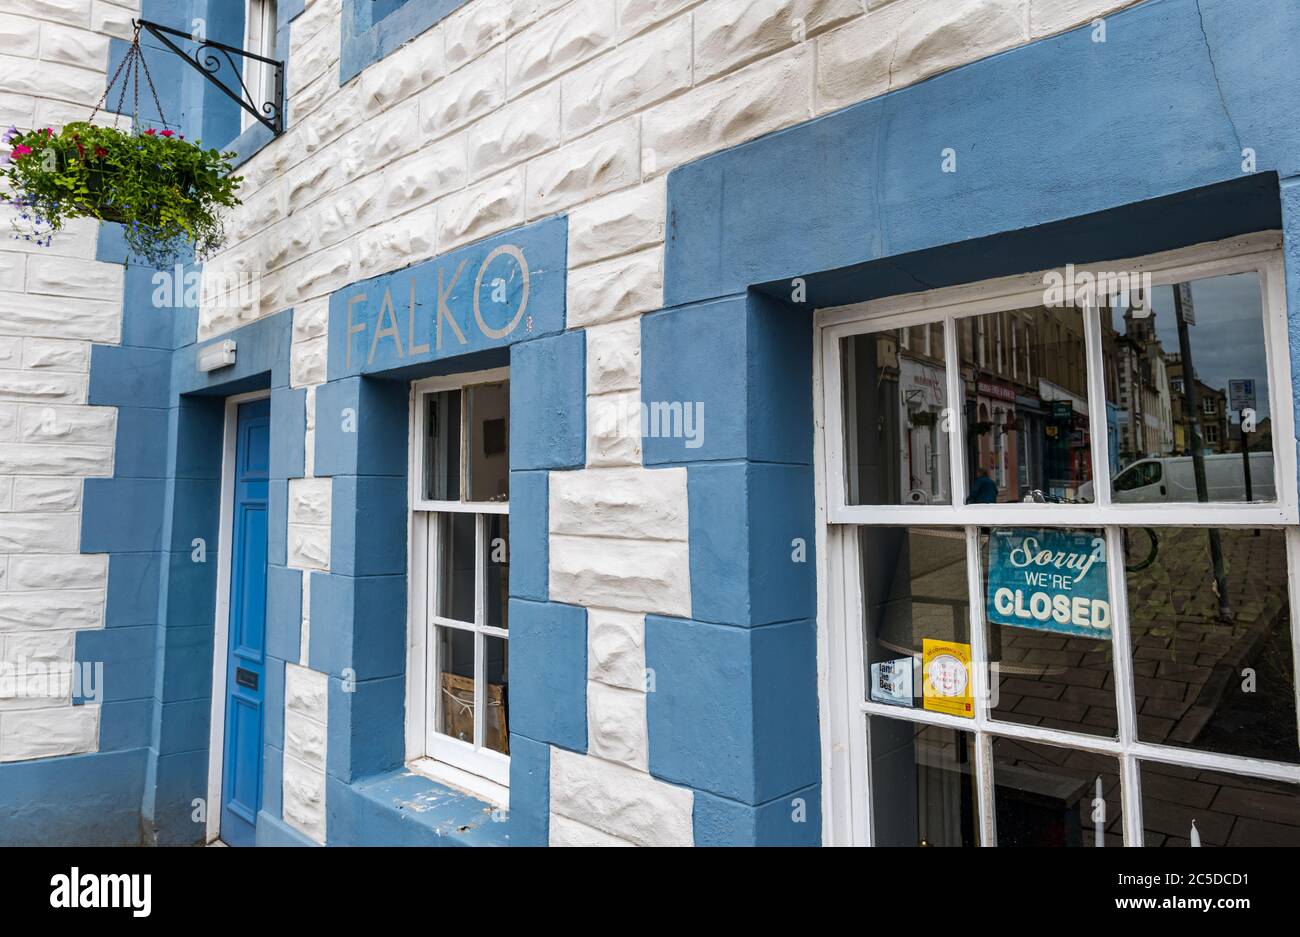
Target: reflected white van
x,y
1173,478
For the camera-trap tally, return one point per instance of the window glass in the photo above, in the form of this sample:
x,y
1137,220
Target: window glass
x,y
1186,373
1210,623
1047,603
456,683
1026,422
895,426
487,413
497,563
916,598
923,778
496,707
1217,809
456,538
1050,796
442,446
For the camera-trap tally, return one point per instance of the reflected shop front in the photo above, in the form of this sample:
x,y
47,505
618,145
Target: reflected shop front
x,y
1091,643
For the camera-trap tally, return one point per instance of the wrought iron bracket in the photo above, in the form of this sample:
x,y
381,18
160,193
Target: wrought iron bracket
x,y
207,59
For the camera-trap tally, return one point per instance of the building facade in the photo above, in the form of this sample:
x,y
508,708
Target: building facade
x,y
647,424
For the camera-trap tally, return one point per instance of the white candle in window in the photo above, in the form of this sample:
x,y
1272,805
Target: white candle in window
x,y
1196,836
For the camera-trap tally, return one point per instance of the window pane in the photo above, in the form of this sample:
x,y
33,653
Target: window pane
x,y
487,411
923,785
1183,369
1210,620
1049,796
456,683
456,571
497,563
1026,413
442,446
496,708
1227,810
916,597
895,395
1047,603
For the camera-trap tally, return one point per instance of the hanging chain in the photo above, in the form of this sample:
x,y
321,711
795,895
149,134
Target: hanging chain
x,y
132,64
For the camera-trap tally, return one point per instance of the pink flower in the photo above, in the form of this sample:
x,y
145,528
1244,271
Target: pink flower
x,y
169,133
150,132
49,132
21,150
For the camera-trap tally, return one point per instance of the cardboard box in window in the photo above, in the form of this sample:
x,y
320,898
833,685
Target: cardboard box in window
x,y
458,712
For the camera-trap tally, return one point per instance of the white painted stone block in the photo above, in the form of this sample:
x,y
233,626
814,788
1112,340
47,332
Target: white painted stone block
x,y
45,387
620,801
630,575
13,267
40,495
524,128
111,20
309,362
618,224
305,740
39,533
424,175
42,733
72,12
614,429
730,34
486,208
614,356
70,46
20,36
772,93
616,289
392,134
558,42
1047,17
484,24
634,16
56,355
311,320
82,426
8,422
565,832
46,649
56,460
635,503
60,317
401,74
309,500
304,798
399,243
66,82
60,610
464,96
11,353
309,547
616,648
306,692
631,77
17,110
598,163
616,725
6,497
82,571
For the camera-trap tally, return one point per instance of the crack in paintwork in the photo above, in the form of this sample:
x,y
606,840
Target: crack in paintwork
x,y
1214,72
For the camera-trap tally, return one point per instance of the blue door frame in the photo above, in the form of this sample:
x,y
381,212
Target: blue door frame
x,y
241,782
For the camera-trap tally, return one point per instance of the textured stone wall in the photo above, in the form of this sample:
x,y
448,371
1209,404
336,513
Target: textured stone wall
x,y
512,110
54,302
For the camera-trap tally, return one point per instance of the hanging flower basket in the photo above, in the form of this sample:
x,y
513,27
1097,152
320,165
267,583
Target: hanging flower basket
x,y
166,192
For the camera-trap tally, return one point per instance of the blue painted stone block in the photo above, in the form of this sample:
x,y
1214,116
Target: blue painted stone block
x,y
121,375
530,535
273,721
272,786
127,659
362,427
738,704
791,820
548,691
366,727
134,583
122,515
288,429
548,403
530,791
399,808
358,623
367,514
283,612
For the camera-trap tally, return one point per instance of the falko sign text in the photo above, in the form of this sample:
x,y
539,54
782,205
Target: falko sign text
x,y
485,296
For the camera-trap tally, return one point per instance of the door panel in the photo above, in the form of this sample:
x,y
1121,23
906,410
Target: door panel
x,y
241,784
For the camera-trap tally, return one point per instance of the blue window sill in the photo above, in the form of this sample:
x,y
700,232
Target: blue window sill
x,y
365,41
402,808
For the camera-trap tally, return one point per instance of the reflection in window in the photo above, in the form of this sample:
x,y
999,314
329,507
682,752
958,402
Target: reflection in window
x,y
914,590
1049,796
487,457
1179,804
1187,390
442,446
1212,656
923,785
1047,603
455,593
1026,413
895,398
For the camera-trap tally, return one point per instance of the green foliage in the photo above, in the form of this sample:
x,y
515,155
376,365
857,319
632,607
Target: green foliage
x,y
167,193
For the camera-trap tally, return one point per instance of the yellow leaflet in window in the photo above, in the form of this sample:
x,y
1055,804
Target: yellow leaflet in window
x,y
946,665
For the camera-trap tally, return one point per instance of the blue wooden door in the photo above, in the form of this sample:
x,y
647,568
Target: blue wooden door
x,y
241,783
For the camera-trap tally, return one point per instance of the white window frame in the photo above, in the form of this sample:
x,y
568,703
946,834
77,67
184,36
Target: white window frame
x,y
260,21
481,771
844,704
